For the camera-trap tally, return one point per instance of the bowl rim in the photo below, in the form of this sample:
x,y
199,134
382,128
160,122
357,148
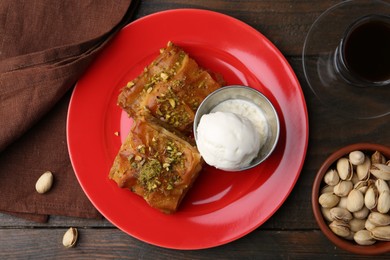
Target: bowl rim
x,y
379,247
259,93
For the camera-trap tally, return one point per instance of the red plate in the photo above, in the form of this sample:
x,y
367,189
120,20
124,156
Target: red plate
x,y
221,206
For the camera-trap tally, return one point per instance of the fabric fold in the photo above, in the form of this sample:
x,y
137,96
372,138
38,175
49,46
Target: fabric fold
x,y
44,49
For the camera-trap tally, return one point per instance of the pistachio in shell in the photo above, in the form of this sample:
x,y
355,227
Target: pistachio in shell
x,y
356,157
331,177
371,197
44,182
377,157
369,225
328,200
344,168
361,214
381,185
326,213
340,214
343,188
364,238
326,189
381,171
355,201
379,219
343,202
381,233
340,228
363,170
356,224
70,237
383,205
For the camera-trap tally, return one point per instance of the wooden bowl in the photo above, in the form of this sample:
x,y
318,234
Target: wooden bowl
x,y
380,247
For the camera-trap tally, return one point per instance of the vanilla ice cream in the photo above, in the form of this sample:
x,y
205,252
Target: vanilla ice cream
x,y
227,140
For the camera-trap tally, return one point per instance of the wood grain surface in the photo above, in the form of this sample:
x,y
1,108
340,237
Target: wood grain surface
x,y
291,233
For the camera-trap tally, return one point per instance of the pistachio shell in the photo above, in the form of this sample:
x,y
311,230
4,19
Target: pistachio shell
x,y
44,182
368,225
381,233
356,224
340,214
363,170
381,185
377,157
371,197
331,177
343,188
355,179
70,237
356,157
351,235
364,238
355,201
361,214
362,186
379,219
340,228
381,171
344,168
327,189
326,214
384,202
328,200
343,202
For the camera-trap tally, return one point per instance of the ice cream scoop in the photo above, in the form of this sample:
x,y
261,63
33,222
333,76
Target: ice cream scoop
x,y
227,140
223,144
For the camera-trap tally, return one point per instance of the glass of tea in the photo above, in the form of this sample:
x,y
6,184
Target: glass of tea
x,y
346,58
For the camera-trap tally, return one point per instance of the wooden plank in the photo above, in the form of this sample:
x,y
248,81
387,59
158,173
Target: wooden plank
x,y
8,221
285,23
112,243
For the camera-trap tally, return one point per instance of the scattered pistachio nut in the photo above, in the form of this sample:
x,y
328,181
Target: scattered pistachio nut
x,y
70,237
44,182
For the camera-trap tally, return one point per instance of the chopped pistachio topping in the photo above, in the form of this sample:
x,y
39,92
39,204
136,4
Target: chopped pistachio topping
x,y
130,84
149,174
164,76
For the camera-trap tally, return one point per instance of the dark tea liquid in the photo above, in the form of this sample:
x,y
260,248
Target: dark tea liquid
x,y
367,50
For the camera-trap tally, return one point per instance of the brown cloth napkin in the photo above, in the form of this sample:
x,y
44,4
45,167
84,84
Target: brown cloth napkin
x,y
45,46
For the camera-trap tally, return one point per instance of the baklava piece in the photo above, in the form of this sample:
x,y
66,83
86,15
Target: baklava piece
x,y
171,88
157,165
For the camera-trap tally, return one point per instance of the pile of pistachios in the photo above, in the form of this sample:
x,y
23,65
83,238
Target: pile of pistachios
x,y
355,199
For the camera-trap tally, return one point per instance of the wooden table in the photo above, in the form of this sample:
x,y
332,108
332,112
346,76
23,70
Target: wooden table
x,y
292,231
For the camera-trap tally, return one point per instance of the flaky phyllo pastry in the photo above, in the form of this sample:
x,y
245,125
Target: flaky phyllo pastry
x,y
171,88
158,159
157,165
